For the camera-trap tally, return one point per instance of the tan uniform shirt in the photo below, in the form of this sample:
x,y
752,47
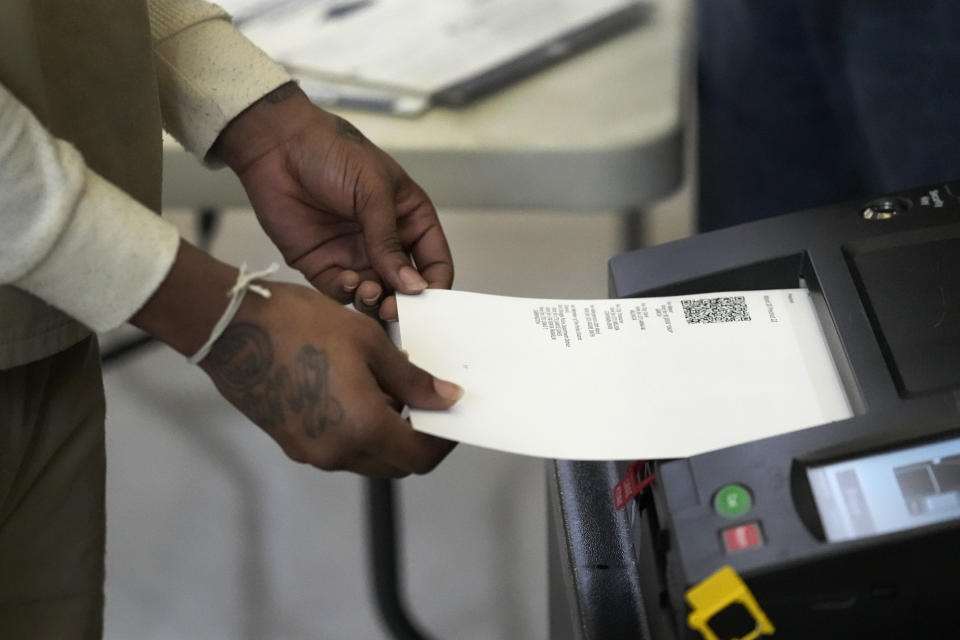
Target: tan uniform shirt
x,y
52,56
94,75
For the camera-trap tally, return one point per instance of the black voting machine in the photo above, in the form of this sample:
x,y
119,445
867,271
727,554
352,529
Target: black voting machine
x,y
846,530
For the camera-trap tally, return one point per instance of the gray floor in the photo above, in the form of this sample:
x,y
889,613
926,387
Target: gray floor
x,y
213,533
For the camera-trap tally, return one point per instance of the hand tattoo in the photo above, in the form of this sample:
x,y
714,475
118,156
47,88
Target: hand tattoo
x,y
348,130
242,356
242,363
281,93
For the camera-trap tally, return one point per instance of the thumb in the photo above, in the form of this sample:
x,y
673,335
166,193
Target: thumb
x,y
412,385
384,249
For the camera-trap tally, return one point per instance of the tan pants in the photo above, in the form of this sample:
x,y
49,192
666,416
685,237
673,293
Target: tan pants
x,y
52,472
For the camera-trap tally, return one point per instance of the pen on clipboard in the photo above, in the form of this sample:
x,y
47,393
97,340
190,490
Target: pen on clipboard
x,y
341,9
324,91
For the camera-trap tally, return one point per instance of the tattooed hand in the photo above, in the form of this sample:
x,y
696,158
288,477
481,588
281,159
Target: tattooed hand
x,y
339,209
326,383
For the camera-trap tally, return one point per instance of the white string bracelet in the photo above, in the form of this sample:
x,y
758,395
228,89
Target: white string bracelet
x,y
236,294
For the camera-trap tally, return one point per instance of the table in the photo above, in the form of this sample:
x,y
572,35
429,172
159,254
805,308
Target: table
x,y
599,131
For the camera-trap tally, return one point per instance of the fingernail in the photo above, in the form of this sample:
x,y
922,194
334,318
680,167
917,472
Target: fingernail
x,y
370,301
351,287
447,390
412,280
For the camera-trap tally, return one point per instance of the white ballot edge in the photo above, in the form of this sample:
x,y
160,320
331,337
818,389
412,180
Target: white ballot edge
x,y
584,432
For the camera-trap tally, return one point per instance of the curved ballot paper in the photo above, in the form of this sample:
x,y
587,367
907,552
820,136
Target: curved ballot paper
x,y
624,378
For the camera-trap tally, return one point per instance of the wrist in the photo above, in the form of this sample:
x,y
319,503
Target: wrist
x,y
237,295
264,125
188,303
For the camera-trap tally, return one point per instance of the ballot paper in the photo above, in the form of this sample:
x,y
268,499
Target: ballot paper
x,y
623,379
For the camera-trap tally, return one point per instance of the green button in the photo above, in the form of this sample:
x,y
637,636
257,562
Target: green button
x,y
732,500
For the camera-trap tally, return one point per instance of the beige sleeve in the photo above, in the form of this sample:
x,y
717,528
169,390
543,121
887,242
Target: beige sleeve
x,y
67,235
207,70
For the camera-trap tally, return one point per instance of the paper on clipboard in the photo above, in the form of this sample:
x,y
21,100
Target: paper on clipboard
x,y
623,379
401,56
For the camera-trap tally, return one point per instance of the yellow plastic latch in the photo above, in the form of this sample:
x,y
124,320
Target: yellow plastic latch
x,y
716,593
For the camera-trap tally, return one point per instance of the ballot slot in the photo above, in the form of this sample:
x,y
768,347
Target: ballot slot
x,y
810,280
774,272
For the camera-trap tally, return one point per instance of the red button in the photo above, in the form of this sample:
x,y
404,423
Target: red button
x,y
742,537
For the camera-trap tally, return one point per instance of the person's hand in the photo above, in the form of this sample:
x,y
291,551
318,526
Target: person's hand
x,y
326,384
340,210
323,381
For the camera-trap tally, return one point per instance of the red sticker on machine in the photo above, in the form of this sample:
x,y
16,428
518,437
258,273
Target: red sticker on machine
x,y
631,486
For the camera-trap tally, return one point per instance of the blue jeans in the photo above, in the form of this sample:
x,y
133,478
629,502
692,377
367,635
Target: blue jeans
x,y
808,102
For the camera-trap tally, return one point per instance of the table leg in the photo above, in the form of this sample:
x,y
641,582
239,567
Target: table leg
x,y
633,228
384,563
